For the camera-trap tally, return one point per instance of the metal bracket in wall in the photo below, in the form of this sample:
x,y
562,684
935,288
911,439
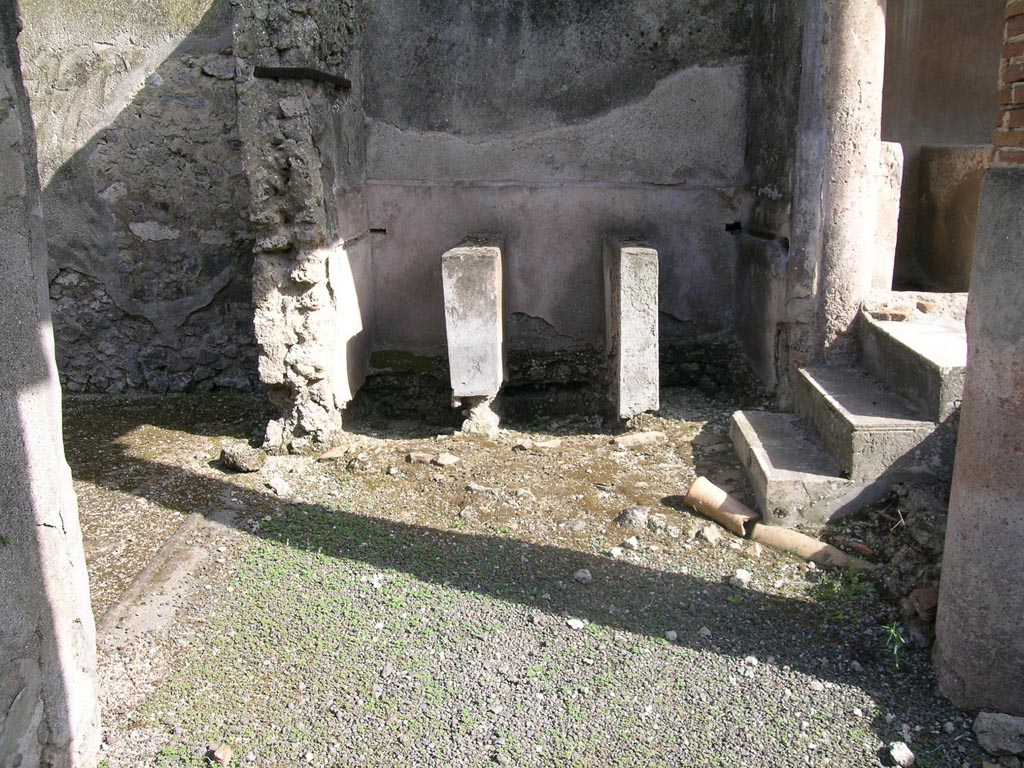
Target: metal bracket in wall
x,y
303,73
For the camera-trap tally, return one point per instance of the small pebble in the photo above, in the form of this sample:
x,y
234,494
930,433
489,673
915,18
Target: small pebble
x,y
631,543
583,576
671,635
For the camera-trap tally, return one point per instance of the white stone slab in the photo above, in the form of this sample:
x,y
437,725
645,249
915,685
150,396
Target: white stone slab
x,y
474,316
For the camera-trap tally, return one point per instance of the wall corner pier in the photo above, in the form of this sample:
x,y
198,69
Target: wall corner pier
x,y
979,647
49,709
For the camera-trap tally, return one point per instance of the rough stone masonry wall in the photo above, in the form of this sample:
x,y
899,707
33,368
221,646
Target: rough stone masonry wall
x,y
303,150
1009,137
144,193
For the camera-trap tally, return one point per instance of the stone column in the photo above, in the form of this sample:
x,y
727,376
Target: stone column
x,y
979,647
853,56
835,205
49,712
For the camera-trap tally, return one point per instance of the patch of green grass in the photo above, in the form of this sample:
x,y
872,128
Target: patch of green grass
x,y
177,756
840,585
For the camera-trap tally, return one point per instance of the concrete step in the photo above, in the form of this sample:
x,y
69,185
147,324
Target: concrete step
x,y
794,480
923,361
863,424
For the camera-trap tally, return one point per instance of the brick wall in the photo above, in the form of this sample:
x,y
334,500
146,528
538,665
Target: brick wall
x,y
1009,135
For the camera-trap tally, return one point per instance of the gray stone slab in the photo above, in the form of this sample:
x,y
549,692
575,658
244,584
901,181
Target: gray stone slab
x,y
794,479
631,325
861,422
474,316
923,361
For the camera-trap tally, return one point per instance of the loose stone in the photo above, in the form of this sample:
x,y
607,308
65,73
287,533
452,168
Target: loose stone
x,y
222,755
741,578
240,457
901,754
634,517
1000,734
711,534
637,439
279,486
583,576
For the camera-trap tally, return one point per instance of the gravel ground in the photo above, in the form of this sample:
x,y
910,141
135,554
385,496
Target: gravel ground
x,y
370,610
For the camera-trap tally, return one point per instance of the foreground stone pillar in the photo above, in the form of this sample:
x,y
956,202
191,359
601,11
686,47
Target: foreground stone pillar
x,y
852,63
49,714
475,327
631,326
979,646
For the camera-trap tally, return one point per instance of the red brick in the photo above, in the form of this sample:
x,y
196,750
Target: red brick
x,y
1014,27
1014,8
1011,96
1012,50
1012,73
1009,157
1008,138
1013,118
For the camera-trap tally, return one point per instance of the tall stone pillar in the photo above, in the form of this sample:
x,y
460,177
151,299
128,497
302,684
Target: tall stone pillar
x,y
853,56
49,713
979,646
836,185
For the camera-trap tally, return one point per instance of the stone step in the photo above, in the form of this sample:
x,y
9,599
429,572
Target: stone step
x,y
923,361
863,424
794,480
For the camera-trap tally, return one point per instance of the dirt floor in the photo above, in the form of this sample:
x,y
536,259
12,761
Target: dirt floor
x,y
492,566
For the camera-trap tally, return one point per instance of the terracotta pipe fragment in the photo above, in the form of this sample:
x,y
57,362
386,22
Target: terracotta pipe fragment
x,y
802,545
711,501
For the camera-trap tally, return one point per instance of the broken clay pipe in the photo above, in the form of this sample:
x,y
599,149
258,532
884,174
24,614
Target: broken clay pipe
x,y
807,547
711,501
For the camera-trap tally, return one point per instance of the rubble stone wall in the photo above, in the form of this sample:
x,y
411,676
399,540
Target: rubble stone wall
x,y
144,193
304,150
